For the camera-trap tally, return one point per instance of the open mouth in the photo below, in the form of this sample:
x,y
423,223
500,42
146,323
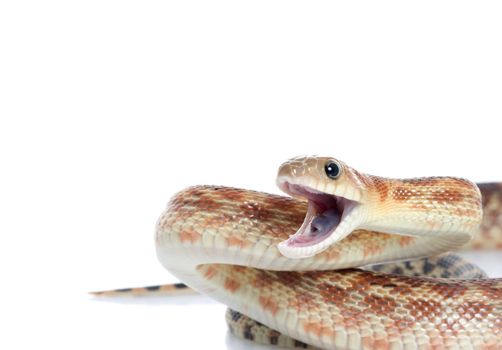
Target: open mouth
x,y
329,219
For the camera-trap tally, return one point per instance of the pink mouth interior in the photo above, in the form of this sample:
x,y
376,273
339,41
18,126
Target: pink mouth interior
x,y
325,212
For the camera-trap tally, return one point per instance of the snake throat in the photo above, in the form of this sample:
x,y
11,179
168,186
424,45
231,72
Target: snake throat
x,y
328,216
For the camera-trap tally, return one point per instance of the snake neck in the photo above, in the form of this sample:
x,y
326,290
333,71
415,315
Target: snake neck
x,y
430,206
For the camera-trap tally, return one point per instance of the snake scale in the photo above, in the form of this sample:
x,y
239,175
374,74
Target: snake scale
x,y
290,267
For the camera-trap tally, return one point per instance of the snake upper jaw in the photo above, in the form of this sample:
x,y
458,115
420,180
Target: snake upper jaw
x,y
329,218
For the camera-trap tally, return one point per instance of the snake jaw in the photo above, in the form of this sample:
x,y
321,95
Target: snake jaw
x,y
329,218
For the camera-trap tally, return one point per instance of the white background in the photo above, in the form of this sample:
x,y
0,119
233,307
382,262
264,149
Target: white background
x,y
109,107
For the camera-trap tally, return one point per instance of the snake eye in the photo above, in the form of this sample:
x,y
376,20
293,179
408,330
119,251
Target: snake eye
x,y
332,169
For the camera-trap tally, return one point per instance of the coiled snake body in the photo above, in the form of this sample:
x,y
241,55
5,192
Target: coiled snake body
x,y
290,264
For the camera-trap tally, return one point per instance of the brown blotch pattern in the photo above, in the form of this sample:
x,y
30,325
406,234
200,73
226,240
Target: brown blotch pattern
x,y
231,285
235,241
439,189
381,186
189,236
406,240
489,235
268,304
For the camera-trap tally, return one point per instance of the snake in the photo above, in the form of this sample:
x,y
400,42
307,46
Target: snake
x,y
293,269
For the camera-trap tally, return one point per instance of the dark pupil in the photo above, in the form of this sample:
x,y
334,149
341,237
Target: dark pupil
x,y
332,170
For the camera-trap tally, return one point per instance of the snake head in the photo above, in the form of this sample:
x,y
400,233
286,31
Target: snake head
x,y
335,194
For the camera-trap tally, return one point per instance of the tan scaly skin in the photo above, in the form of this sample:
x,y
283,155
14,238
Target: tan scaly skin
x,y
274,258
